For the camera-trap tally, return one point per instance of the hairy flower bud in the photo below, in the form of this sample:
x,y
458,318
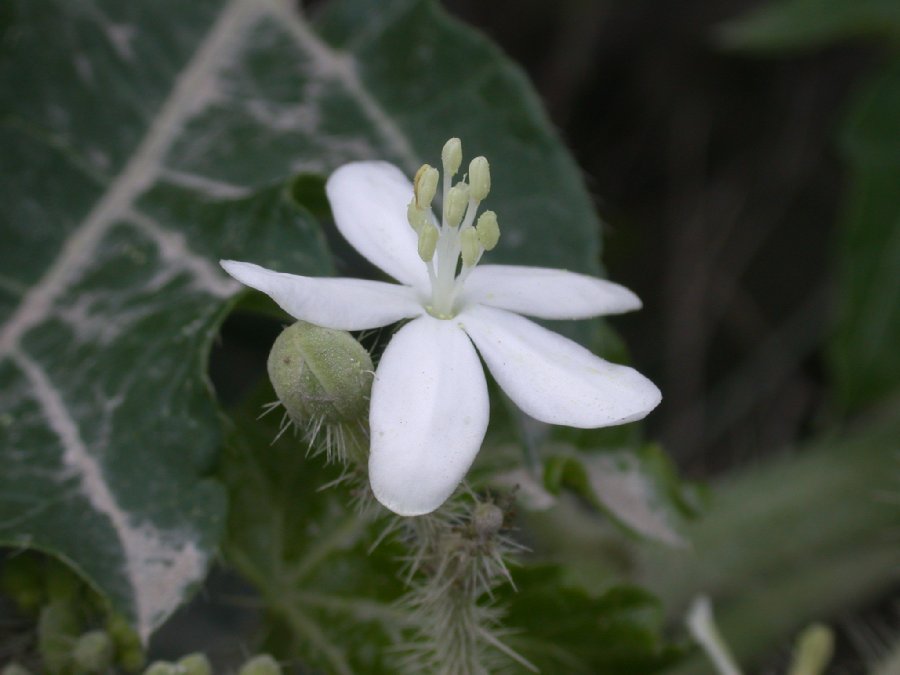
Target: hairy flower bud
x,y
320,374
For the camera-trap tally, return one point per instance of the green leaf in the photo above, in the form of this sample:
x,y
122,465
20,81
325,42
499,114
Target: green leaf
x,y
806,24
864,352
638,489
306,549
143,142
563,629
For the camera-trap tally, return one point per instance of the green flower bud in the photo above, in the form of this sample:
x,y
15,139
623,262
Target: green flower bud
x,y
479,178
488,230
428,238
451,157
128,647
260,665
195,664
58,626
93,651
456,203
469,246
320,374
163,668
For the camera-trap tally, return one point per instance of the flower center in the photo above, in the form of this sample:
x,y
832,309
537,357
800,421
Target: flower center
x,y
459,236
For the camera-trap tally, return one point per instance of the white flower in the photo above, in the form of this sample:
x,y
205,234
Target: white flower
x,y
429,407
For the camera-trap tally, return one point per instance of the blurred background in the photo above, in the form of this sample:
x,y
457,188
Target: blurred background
x,y
717,174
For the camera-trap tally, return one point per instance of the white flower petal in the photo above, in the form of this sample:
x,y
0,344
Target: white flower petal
x,y
554,379
346,304
428,416
369,200
546,293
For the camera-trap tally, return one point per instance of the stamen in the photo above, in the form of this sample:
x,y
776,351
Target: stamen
x,y
451,157
471,249
428,239
455,203
479,178
488,230
415,216
425,185
441,248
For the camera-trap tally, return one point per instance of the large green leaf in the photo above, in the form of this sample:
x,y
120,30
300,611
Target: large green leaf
x,y
141,142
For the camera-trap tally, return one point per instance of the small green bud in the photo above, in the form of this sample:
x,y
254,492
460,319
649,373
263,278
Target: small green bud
x,y
487,519
451,157
479,178
815,647
15,669
162,668
260,665
320,373
456,203
415,216
488,230
93,651
58,626
195,664
425,185
469,246
129,650
428,238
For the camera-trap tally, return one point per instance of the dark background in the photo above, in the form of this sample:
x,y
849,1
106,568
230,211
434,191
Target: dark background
x,y
719,180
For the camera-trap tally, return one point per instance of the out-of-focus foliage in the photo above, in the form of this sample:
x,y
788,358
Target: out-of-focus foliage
x,y
805,24
864,354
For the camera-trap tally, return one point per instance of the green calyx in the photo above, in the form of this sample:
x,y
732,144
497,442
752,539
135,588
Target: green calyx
x,y
320,374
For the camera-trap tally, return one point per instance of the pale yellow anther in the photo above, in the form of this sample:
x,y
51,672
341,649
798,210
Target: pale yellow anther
x,y
425,184
415,216
488,230
428,238
455,204
469,246
479,178
451,156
